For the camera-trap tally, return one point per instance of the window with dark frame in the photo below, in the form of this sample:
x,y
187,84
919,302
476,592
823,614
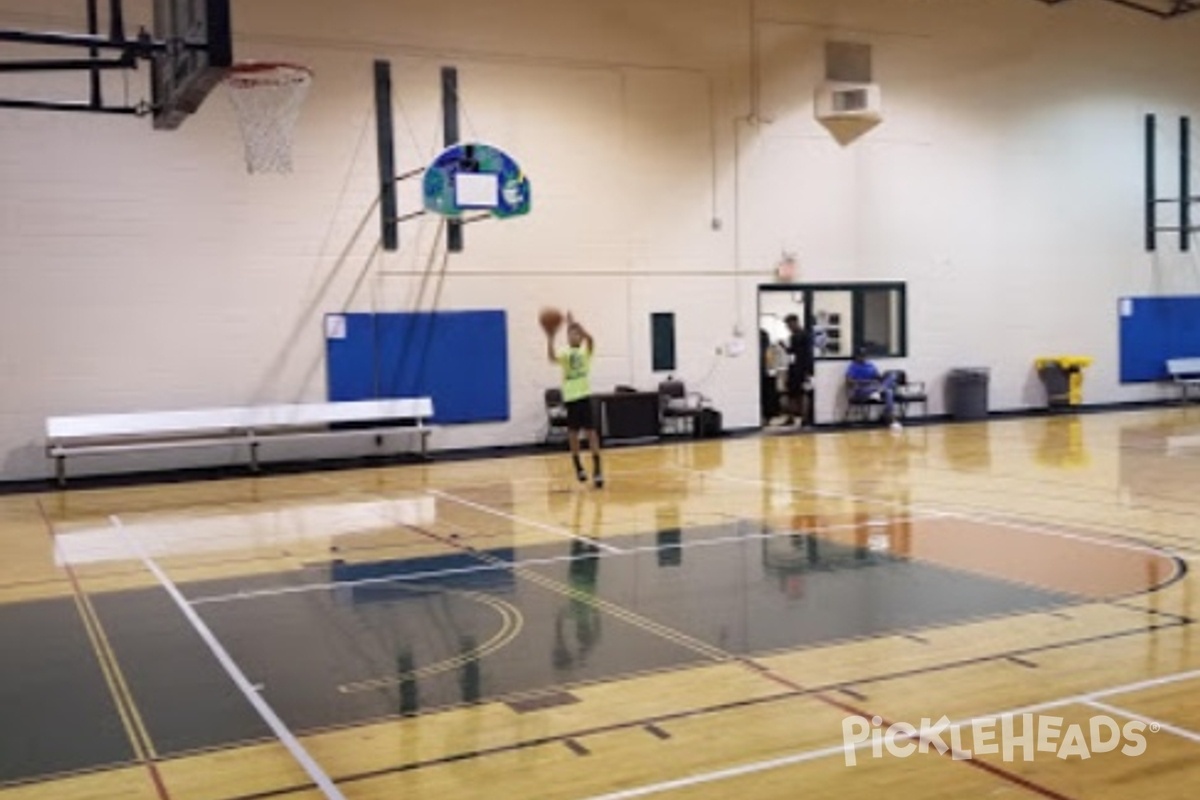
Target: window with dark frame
x,y
845,317
662,341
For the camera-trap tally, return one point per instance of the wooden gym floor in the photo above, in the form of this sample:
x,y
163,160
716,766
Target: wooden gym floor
x,y
701,628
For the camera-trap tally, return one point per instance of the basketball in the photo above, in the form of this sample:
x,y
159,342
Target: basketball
x,y
551,319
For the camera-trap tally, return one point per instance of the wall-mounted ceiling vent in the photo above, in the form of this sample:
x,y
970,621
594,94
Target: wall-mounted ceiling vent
x,y
849,91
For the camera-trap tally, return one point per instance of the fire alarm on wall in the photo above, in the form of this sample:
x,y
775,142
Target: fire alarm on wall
x,y
785,270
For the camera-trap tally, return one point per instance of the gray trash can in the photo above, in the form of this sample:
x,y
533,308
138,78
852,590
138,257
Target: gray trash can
x,y
967,393
1057,382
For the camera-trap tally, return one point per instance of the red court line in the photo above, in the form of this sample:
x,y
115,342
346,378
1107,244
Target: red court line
x,y
146,747
991,769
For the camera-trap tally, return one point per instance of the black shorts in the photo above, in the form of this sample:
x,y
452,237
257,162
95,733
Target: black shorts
x,y
797,382
579,414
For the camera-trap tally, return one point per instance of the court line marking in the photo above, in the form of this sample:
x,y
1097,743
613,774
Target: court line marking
x,y
512,621
936,512
139,725
1175,540
582,733
825,752
530,562
495,512
119,699
277,725
754,537
570,482
536,479
684,640
594,600
1182,733
131,719
939,514
399,577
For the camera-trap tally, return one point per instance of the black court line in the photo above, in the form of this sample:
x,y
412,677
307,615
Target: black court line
x,y
786,693
1151,611
576,748
742,539
540,701
507,565
1008,655
655,731
1021,662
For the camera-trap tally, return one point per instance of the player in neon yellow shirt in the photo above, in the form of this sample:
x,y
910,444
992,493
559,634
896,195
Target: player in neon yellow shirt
x,y
576,364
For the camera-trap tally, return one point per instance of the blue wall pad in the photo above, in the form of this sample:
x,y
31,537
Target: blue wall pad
x,y
459,358
1154,329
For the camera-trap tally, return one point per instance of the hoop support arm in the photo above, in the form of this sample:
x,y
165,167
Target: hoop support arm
x,y
49,105
142,45
68,64
412,173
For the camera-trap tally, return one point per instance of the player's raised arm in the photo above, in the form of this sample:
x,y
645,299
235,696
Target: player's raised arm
x,y
588,341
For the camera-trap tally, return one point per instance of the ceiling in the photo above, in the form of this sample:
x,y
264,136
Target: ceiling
x,y
1163,9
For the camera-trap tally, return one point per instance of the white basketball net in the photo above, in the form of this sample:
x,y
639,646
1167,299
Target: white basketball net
x,y
267,100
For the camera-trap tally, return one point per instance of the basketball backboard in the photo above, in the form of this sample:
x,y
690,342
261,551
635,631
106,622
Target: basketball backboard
x,y
190,50
476,177
198,53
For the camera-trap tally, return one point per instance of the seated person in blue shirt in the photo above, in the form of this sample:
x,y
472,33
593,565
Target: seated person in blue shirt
x,y
865,381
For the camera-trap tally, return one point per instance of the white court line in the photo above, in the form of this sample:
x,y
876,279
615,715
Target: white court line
x,y
285,736
512,565
725,774
495,512
1182,733
536,479
825,752
936,512
398,577
754,537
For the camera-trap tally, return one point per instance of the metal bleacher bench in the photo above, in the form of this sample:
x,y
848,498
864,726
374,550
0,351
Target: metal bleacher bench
x,y
1185,372
250,425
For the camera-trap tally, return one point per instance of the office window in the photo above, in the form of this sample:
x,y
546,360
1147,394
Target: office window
x,y
880,314
832,323
841,317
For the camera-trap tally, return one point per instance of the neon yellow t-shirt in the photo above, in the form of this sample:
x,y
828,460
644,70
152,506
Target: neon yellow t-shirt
x,y
576,363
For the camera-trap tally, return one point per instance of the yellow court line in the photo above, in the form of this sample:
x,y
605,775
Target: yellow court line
x,y
131,718
512,622
630,617
105,668
125,694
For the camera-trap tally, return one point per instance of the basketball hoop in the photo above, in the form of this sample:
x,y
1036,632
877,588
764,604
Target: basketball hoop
x,y
267,98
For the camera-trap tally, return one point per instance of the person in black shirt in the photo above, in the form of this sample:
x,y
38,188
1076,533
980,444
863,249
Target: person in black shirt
x,y
800,371
768,393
